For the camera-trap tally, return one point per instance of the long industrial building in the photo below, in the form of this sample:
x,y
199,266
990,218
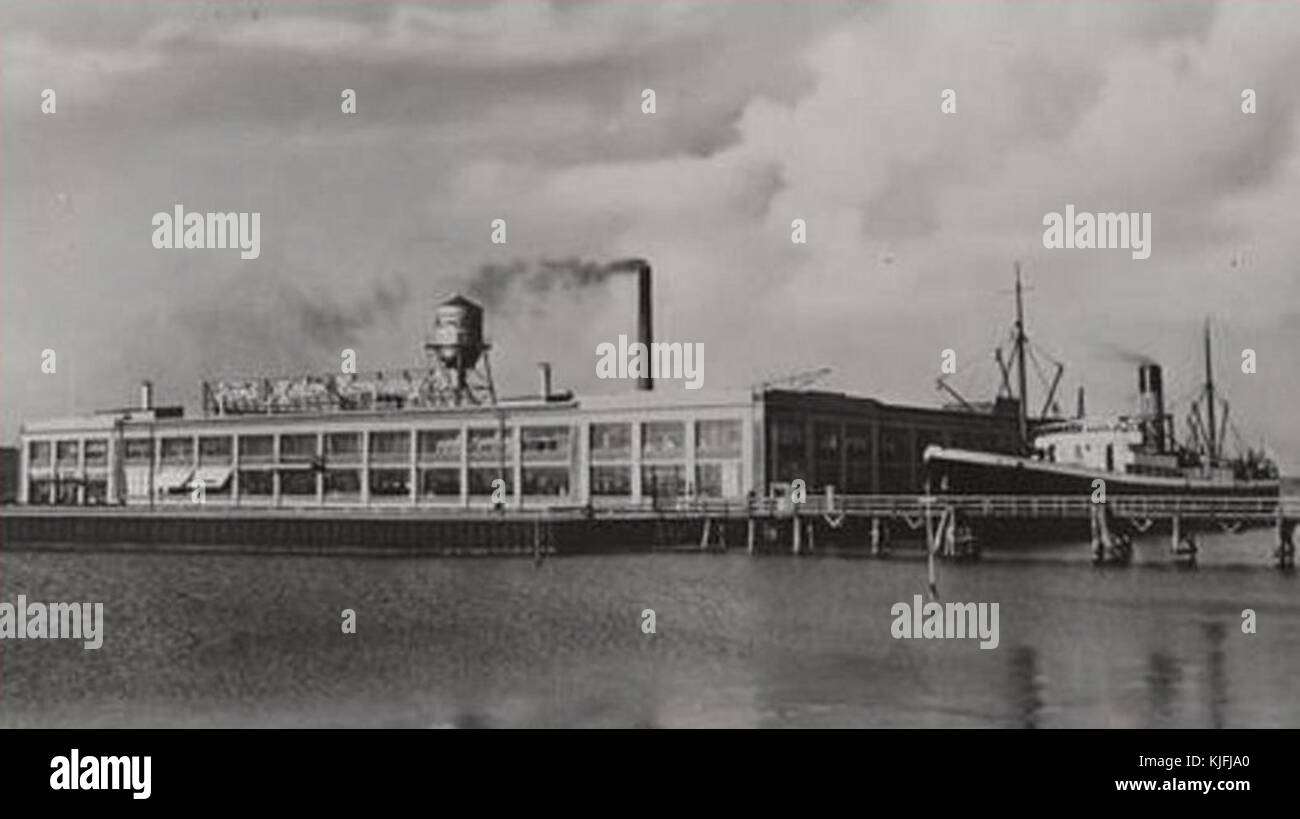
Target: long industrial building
x,y
640,447
439,436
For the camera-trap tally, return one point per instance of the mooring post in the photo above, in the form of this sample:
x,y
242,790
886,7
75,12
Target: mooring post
x,y
796,536
1285,542
950,532
930,548
704,535
1098,547
749,533
929,524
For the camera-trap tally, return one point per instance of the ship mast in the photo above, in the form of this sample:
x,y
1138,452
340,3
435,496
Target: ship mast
x,y
1020,362
1209,399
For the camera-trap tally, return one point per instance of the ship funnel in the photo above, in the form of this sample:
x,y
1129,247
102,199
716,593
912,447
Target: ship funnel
x,y
1151,402
146,395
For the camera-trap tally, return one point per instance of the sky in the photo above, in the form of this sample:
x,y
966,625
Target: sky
x,y
765,112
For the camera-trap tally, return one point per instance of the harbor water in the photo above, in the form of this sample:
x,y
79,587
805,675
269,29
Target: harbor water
x,y
740,641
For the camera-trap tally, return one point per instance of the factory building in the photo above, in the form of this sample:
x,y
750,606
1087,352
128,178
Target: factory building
x,y
440,436
635,448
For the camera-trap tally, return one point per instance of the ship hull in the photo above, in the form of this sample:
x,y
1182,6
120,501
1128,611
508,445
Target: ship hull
x,y
959,472
964,472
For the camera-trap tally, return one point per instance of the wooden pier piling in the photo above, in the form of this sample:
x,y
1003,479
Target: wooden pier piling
x,y
1285,542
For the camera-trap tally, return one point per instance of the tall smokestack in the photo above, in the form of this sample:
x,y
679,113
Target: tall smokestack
x,y
146,395
1080,412
645,320
645,310
1151,402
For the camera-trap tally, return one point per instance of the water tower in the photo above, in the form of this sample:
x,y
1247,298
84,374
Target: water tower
x,y
458,356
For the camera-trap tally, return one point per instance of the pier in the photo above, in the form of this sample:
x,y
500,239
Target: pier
x,y
949,526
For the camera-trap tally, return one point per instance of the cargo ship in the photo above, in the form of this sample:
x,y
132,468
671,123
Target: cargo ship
x,y
1132,455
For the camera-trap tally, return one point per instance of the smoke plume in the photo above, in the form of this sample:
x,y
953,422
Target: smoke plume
x,y
494,284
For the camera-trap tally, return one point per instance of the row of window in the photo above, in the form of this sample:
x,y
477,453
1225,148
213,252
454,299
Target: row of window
x,y
658,481
829,439
609,441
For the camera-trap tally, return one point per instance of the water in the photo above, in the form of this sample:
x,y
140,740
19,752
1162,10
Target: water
x,y
741,641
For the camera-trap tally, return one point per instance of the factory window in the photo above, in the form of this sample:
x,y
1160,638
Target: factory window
x,y
718,480
857,443
663,439
177,450
857,481
718,439
256,483
663,481
96,492
216,482
138,450
67,452
390,447
65,492
388,483
343,447
342,483
789,450
896,480
297,482
481,479
611,480
215,451
857,439
38,453
893,444
611,442
97,452
827,443
300,447
256,448
790,433
440,483
485,445
552,481
38,492
440,445
708,480
544,444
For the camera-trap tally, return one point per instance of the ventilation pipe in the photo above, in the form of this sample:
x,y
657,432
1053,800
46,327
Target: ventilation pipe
x,y
544,380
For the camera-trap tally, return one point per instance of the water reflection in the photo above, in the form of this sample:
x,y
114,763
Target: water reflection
x,y
769,641
1216,673
1163,678
1026,687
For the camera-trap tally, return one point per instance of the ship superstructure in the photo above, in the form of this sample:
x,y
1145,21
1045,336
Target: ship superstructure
x,y
1132,453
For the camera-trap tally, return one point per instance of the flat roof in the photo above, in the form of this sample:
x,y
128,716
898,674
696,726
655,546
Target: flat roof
x,y
631,400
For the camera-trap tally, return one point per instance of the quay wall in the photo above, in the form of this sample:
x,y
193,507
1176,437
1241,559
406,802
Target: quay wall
x,y
470,533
